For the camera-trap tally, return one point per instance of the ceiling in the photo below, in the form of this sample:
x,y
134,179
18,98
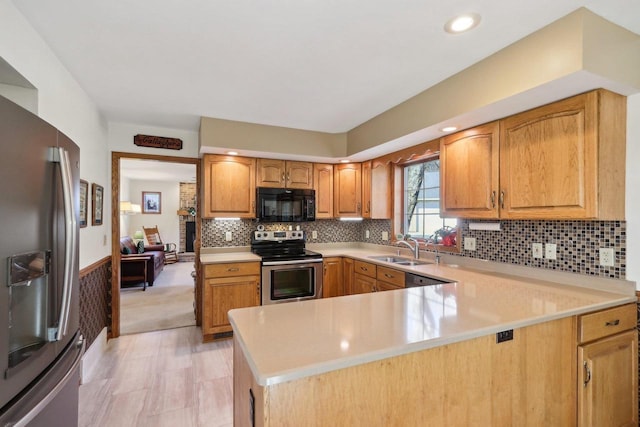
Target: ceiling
x,y
325,65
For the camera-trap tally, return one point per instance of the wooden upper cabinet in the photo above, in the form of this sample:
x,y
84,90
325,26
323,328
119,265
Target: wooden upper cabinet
x,y
347,190
376,190
229,186
323,184
565,160
469,173
284,174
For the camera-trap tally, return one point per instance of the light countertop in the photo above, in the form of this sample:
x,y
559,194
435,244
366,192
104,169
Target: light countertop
x,y
289,341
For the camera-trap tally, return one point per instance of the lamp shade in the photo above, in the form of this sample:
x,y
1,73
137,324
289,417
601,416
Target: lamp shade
x,y
138,235
125,207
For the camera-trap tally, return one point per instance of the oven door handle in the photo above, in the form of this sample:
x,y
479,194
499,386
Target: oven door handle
x,y
299,261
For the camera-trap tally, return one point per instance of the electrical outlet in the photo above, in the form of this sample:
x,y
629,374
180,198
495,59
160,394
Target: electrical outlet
x,y
536,250
607,257
469,243
314,234
228,236
550,251
385,235
366,234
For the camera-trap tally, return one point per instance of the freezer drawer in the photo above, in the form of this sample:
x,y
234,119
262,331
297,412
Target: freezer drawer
x,y
52,399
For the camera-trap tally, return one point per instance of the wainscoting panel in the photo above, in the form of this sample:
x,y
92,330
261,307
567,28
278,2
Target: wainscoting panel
x,y
95,299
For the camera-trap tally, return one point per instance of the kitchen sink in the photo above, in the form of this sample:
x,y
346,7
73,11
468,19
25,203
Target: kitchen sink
x,y
399,260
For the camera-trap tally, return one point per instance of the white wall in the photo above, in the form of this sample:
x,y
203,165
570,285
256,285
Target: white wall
x,y
168,220
633,189
64,104
121,139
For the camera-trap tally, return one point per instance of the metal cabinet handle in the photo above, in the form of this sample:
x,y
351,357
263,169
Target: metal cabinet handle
x,y
282,179
613,323
390,276
364,268
493,199
233,269
587,373
358,207
289,176
502,200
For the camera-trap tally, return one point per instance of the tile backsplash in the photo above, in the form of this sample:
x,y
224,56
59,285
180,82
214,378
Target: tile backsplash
x,y
577,251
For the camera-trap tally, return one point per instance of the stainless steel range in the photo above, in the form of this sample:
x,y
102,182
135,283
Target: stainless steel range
x,y
290,272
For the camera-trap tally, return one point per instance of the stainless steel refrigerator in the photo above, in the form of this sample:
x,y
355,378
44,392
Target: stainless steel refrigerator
x,y
40,345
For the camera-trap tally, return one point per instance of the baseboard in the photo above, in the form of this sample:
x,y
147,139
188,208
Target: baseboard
x,y
92,356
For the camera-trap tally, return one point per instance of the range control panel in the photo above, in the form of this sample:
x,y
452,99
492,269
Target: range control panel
x,y
278,235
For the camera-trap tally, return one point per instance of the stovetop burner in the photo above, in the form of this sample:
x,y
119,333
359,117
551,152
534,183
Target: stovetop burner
x,y
281,246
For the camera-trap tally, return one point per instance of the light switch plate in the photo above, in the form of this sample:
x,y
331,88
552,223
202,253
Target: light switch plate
x,y
469,243
385,235
550,251
314,234
536,250
228,236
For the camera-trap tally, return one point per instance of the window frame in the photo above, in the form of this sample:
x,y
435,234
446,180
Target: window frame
x,y
399,206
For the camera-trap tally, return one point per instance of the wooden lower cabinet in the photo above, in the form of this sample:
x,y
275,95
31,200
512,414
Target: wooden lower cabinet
x,y
239,288
332,282
607,369
528,381
347,275
363,284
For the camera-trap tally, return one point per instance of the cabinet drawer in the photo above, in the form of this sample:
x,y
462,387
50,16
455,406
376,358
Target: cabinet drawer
x,y
365,268
390,275
232,269
607,322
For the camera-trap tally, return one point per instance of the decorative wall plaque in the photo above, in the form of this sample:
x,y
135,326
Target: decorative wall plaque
x,y
157,142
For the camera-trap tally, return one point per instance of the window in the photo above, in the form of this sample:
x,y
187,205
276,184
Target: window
x,y
421,201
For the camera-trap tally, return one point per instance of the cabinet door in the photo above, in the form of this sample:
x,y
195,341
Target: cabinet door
x,y
347,185
608,381
224,294
469,162
332,283
323,184
363,284
270,173
548,161
347,275
299,175
376,190
229,186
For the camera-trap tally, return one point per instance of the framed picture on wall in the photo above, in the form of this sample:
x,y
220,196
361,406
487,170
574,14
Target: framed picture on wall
x,y
84,202
151,202
97,198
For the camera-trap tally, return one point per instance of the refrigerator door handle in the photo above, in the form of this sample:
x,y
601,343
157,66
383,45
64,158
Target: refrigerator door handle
x,y
70,240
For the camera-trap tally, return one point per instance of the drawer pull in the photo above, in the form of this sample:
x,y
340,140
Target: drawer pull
x,y
613,323
364,268
390,276
233,269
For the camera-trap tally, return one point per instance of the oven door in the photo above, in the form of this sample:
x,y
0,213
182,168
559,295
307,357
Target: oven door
x,y
286,281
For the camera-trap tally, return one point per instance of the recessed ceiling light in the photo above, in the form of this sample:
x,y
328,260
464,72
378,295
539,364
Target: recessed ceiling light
x,y
232,153
449,128
462,23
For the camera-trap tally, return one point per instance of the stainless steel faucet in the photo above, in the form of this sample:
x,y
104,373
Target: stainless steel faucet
x,y
435,248
415,248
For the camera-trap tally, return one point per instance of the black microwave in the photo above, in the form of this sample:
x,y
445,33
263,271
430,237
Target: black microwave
x,y
285,205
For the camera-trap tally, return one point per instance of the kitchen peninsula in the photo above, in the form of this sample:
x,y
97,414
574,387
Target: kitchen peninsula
x,y
429,355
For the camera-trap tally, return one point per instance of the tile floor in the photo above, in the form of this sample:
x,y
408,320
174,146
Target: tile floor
x,y
161,378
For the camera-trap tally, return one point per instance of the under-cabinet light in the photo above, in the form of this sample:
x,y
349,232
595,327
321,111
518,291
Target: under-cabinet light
x,y
226,219
351,219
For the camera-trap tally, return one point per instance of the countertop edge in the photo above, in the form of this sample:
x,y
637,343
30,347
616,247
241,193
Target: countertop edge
x,y
347,362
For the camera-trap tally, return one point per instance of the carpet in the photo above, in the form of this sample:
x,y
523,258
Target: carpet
x,y
167,304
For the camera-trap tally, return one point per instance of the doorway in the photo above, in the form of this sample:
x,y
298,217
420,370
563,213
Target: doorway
x,y
124,225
